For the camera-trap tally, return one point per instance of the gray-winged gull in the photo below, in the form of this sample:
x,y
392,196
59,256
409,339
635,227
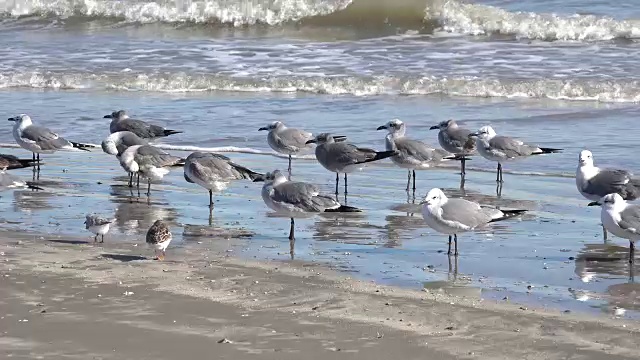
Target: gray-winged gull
x,y
116,143
455,139
122,122
620,218
149,161
455,216
285,140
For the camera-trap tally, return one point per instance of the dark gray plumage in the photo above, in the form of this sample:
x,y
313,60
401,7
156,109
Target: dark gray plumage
x,y
117,142
121,122
10,162
455,139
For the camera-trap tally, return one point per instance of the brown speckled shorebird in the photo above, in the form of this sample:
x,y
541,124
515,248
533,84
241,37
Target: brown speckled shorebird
x,y
158,238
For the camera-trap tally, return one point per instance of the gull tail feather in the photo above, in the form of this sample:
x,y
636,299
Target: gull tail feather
x,y
548,151
379,156
508,214
458,157
344,208
81,146
172,132
247,173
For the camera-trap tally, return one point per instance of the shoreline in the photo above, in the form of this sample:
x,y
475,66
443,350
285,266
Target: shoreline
x,y
356,316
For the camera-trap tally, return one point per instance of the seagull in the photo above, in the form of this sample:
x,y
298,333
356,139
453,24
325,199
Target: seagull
x,y
98,225
10,181
294,198
40,140
288,141
149,161
412,154
594,183
214,172
621,218
455,139
122,122
158,238
502,148
455,216
117,142
343,157
11,162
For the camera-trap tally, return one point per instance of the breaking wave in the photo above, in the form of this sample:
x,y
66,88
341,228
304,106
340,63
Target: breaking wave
x,y
575,89
448,15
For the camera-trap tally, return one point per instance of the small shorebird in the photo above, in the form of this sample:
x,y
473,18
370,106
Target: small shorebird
x,y
503,148
455,216
455,139
98,225
40,140
288,141
620,218
158,238
411,154
342,157
122,122
214,172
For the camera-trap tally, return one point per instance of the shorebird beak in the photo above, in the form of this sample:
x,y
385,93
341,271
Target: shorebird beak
x,y
434,127
263,128
382,127
594,203
473,134
312,141
107,116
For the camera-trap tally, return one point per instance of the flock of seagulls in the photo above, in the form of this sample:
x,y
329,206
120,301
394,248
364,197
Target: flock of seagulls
x,y
130,141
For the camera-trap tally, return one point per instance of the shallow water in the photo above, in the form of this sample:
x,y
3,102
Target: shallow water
x,y
219,70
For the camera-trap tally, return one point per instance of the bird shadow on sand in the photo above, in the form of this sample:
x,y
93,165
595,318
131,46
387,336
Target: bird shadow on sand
x,y
125,258
71,242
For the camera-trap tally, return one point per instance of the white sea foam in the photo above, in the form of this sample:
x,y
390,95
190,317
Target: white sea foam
x,y
601,90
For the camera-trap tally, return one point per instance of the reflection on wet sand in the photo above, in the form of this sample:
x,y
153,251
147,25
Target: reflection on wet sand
x,y
348,228
134,215
29,200
455,285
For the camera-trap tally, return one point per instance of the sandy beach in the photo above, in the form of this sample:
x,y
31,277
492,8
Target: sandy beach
x,y
65,298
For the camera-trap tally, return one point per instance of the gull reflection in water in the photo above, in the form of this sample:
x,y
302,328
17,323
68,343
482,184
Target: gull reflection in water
x,y
134,215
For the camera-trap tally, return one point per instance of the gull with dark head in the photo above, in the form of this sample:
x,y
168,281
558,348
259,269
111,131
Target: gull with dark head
x,y
285,140
620,218
501,149
40,140
343,157
214,172
455,139
149,161
411,154
98,225
455,216
120,121
158,238
294,198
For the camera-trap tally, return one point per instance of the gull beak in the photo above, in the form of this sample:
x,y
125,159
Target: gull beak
x,y
312,141
260,178
107,117
594,203
434,127
473,134
382,127
263,129
424,202
12,119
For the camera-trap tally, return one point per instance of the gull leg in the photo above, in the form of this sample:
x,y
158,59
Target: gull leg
x,y
604,234
211,199
289,169
463,170
345,184
498,173
337,182
408,180
95,238
102,240
34,156
130,179
149,187
138,183
632,251
455,240
292,239
449,251
414,181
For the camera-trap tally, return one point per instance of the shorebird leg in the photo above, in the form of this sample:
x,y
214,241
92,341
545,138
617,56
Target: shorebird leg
x,y
210,199
161,258
455,240
408,179
449,251
414,181
337,182
345,183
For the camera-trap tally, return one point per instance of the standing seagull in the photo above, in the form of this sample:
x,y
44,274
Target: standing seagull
x,y
343,157
286,140
412,154
294,198
158,238
117,142
40,140
122,122
455,216
621,219
98,225
149,161
214,172
455,140
594,183
11,162
503,148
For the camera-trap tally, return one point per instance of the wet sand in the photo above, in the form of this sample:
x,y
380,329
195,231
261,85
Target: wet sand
x,y
65,298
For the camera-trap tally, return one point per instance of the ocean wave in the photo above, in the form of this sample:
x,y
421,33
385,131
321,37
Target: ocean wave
x,y
575,89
